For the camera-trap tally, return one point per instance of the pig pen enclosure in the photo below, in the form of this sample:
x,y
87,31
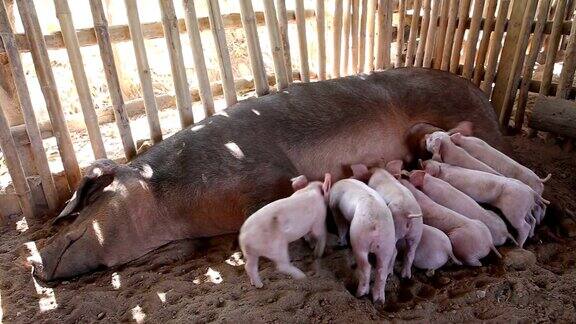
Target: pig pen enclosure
x,y
89,79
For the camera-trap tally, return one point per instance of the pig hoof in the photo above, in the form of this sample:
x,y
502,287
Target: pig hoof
x,y
258,284
378,297
299,276
361,292
406,273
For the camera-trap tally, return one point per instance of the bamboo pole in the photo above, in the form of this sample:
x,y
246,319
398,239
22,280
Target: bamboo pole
x,y
430,39
385,12
79,75
450,31
50,91
183,100
528,69
344,65
400,32
223,55
459,36
413,33
254,50
198,56
441,34
483,47
37,147
495,47
355,26
567,74
554,41
143,71
423,33
471,42
122,121
14,166
301,26
283,27
336,37
321,38
517,63
275,44
371,37
362,43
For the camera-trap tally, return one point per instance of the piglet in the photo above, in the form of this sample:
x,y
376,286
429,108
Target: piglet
x,y
433,251
446,195
405,210
268,231
371,231
514,199
503,164
470,238
443,150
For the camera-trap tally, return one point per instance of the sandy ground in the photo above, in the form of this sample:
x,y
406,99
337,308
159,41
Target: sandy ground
x,y
203,280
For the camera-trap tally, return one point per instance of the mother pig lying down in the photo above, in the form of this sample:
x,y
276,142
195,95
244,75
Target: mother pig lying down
x,y
206,179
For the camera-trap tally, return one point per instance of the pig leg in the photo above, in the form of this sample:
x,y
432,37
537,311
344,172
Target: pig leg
x,y
409,255
283,264
532,222
383,261
341,225
319,234
251,267
392,260
363,272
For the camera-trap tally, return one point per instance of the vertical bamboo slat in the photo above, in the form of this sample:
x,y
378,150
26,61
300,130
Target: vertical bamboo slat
x,y
336,37
385,12
143,71
105,45
483,47
441,33
321,38
423,34
430,39
450,31
50,91
254,50
79,75
301,26
495,46
344,65
362,42
371,37
181,87
355,25
14,166
459,36
204,89
411,48
567,74
38,153
528,69
471,42
553,42
283,27
275,44
400,32
226,74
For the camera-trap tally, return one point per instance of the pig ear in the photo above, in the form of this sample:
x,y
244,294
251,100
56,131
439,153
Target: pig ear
x,y
299,182
360,172
465,128
395,167
327,184
456,137
98,176
417,178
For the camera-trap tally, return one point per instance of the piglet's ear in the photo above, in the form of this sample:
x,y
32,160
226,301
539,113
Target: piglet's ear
x,y
327,184
465,128
395,167
360,172
456,137
417,178
299,182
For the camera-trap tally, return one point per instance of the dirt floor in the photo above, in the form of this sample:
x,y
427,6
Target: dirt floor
x,y
203,280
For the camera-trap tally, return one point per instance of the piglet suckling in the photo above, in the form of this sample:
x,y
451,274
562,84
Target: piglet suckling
x,y
405,210
444,150
514,199
433,251
268,231
502,163
470,238
371,231
446,195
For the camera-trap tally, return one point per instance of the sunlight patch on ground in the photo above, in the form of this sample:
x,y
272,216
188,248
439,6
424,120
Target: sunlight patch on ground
x,y
98,231
116,281
47,297
235,150
235,259
137,314
162,297
22,225
211,275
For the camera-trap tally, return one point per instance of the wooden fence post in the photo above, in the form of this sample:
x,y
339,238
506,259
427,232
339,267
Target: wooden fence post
x,y
336,37
204,89
385,12
567,74
362,36
483,47
321,34
275,44
471,42
345,64
553,42
37,147
371,37
103,39
495,47
423,34
431,37
143,71
254,50
49,89
459,36
301,26
283,27
79,75
413,33
355,26
400,32
441,33
450,31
